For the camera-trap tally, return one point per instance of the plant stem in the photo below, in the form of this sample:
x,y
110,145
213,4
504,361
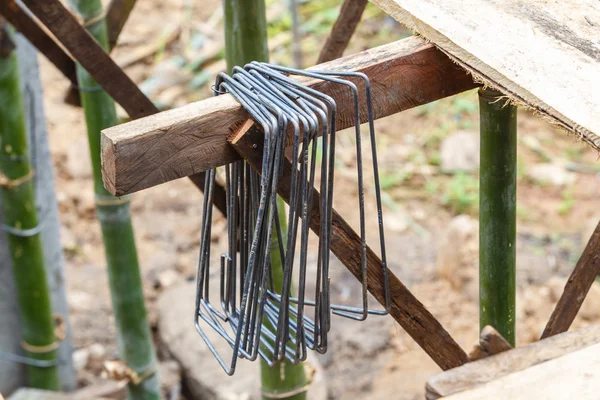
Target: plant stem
x,y
18,203
133,333
246,41
497,213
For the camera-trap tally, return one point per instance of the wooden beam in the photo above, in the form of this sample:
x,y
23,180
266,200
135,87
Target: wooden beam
x,y
418,322
544,55
510,362
581,280
92,57
28,27
342,30
574,375
193,138
103,69
116,15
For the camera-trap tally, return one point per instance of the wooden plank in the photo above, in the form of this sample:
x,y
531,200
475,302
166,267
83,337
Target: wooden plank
x,y
116,15
583,276
103,69
490,342
191,139
342,30
92,57
488,369
36,35
543,54
418,322
572,376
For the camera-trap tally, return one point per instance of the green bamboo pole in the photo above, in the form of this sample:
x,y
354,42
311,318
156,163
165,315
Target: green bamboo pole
x,y
246,41
133,333
18,203
497,213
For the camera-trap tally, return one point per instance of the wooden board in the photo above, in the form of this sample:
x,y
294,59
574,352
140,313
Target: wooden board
x,y
579,283
405,308
572,376
544,54
510,362
193,138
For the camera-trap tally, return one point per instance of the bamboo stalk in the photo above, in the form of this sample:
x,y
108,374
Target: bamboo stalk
x,y
133,333
246,41
18,203
497,215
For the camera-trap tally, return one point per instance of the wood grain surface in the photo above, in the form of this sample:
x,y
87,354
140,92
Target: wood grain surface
x,y
193,138
543,54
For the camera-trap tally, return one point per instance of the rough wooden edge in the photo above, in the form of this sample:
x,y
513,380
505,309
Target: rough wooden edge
x,y
469,375
178,142
431,35
490,342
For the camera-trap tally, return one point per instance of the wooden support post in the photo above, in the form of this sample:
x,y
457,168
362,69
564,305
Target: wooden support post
x,y
418,322
581,280
191,139
342,30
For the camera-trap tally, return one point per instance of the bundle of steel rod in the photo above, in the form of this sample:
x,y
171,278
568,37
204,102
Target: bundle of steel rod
x,y
255,314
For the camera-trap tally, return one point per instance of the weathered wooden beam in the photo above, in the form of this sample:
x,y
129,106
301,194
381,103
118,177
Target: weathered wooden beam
x,y
481,372
406,309
342,30
547,57
116,15
91,56
583,276
103,69
23,23
193,138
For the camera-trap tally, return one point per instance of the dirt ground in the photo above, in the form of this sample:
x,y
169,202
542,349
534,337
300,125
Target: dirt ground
x,y
421,201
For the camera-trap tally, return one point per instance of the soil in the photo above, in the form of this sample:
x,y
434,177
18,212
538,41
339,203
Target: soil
x,y
553,226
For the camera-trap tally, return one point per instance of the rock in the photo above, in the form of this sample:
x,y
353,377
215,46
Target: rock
x,y
169,373
68,241
97,356
79,165
203,376
550,174
167,278
460,152
80,301
396,222
457,257
81,358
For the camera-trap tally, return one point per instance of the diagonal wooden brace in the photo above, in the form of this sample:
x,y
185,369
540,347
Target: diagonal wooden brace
x,y
583,276
98,63
419,323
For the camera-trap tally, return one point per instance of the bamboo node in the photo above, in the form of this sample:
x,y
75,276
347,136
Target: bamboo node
x,y
111,200
60,333
8,183
119,371
310,375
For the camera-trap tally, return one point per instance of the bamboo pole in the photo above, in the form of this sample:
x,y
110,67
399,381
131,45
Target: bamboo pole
x,y
133,333
497,213
20,215
246,41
